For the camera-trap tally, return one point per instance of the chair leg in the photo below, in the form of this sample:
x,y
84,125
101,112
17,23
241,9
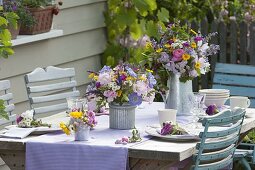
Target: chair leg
x,y
245,163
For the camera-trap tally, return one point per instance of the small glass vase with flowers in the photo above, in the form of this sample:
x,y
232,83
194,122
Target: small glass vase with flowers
x,y
124,89
80,122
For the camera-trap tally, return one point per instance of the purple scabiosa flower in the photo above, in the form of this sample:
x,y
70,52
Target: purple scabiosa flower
x,y
167,129
134,99
152,80
212,109
164,58
98,84
130,72
186,44
19,119
105,69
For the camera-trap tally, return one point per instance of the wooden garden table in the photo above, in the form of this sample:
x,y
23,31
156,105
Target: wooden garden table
x,y
149,154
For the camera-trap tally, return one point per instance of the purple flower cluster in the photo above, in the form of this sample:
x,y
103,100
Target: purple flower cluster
x,y
212,109
167,128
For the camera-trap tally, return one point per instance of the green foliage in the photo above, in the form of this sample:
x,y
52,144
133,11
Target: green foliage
x,y
36,3
129,23
6,19
3,113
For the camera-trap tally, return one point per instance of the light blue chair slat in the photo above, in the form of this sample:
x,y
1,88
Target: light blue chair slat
x,y
214,146
223,133
48,88
234,69
234,80
216,155
218,144
216,165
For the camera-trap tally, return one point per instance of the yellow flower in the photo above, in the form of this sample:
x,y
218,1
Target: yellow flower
x,y
185,56
142,78
129,78
159,50
119,92
64,128
194,32
148,45
197,65
95,78
193,45
91,75
149,70
76,115
167,45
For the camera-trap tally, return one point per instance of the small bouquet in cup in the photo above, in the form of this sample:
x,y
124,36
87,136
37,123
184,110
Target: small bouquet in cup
x,y
79,118
26,120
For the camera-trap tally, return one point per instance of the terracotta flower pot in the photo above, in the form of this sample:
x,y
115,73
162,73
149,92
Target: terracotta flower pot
x,y
14,32
43,17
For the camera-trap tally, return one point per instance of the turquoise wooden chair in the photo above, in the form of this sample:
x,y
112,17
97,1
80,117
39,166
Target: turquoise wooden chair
x,y
239,79
218,140
48,88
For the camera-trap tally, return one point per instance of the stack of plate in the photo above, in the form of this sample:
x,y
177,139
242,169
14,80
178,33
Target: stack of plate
x,y
215,96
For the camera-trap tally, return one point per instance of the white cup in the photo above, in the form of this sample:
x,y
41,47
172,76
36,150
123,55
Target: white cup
x,y
239,101
167,115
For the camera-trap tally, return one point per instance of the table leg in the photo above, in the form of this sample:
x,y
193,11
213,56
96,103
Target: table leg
x,y
15,160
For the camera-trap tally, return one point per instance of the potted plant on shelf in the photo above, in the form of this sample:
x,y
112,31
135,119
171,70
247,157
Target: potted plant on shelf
x,y
123,88
42,15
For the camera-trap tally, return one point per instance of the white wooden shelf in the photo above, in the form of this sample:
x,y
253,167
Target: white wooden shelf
x,y
25,39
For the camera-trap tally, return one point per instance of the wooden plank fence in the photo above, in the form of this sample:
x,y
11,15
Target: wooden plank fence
x,y
237,46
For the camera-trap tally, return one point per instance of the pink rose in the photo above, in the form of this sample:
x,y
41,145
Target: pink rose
x,y
177,54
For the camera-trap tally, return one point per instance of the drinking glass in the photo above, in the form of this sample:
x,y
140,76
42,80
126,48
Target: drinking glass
x,y
197,109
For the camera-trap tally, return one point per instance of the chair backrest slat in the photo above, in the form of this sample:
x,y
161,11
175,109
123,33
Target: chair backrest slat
x,y
54,97
48,88
239,79
218,143
50,73
217,154
7,97
51,108
216,134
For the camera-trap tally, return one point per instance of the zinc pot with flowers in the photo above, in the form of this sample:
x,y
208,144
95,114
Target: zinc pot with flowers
x,y
183,54
80,122
123,88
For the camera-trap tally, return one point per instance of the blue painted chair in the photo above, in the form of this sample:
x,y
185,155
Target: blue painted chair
x,y
218,140
239,79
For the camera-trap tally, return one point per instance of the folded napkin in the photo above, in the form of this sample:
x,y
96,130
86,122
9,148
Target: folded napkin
x,y
16,132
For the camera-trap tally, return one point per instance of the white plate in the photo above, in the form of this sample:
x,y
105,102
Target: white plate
x,y
185,138
39,130
214,91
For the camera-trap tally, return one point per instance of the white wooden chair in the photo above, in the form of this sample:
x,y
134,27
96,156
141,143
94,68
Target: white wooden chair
x,y
48,88
5,85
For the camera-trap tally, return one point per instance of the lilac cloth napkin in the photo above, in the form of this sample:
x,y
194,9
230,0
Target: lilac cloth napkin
x,y
68,156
